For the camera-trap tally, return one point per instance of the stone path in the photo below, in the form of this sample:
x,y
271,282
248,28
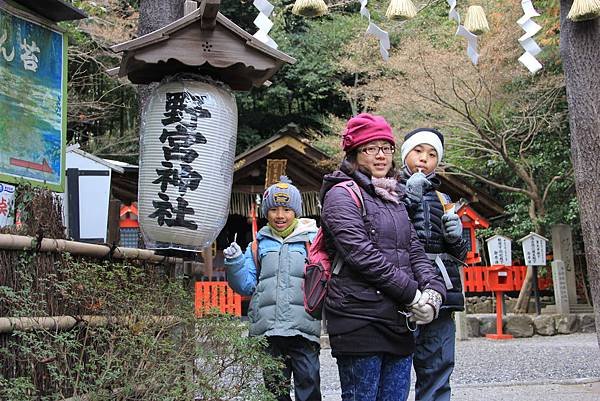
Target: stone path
x,y
562,368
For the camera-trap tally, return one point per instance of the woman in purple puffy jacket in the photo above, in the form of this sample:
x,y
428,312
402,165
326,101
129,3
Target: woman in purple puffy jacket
x,y
386,284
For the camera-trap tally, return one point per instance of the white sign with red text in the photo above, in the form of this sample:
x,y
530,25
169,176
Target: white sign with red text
x,y
7,204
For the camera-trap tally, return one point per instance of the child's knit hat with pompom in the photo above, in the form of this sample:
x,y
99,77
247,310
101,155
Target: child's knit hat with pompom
x,y
282,193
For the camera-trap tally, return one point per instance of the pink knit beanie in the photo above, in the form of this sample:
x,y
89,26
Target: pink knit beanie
x,y
366,128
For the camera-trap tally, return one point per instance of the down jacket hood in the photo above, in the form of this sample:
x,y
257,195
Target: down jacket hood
x,y
305,226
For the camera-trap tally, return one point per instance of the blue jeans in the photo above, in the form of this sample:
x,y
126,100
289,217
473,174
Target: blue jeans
x,y
300,357
434,359
379,377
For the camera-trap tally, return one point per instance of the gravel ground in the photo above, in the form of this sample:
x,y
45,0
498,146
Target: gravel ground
x,y
562,368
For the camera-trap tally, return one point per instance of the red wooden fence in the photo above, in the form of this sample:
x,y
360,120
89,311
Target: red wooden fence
x,y
216,295
475,279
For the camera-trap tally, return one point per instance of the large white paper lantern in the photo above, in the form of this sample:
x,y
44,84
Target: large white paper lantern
x,y
187,150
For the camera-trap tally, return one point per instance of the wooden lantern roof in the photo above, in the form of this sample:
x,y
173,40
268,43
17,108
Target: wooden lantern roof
x,y
205,42
54,10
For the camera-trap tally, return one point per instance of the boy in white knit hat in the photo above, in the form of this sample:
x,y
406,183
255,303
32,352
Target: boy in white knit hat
x,y
440,230
273,273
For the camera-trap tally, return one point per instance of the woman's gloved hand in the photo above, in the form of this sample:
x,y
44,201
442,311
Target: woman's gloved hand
x,y
416,299
232,251
427,308
452,227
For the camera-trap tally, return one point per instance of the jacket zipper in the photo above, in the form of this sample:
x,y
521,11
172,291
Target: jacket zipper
x,y
426,221
391,212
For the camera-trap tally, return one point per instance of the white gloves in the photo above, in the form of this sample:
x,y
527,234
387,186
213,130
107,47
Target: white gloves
x,y
232,251
427,308
452,227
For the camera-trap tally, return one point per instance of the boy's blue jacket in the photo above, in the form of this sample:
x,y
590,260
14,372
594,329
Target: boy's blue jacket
x,y
277,303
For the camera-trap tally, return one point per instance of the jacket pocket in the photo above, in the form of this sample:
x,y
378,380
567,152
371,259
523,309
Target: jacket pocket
x,y
371,304
367,295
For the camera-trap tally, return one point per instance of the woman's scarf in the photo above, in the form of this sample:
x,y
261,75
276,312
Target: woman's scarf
x,y
385,188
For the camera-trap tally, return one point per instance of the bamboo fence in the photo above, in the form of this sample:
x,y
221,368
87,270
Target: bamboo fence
x,y
21,242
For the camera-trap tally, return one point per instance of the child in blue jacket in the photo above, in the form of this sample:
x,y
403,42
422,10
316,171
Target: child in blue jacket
x,y
276,308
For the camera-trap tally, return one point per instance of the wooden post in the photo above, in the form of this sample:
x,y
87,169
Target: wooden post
x,y
114,234
460,318
499,312
189,6
536,291
208,262
209,10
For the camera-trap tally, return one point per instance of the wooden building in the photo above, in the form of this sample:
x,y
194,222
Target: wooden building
x,y
48,10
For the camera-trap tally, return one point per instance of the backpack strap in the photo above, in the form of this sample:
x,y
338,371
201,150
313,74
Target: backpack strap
x,y
254,249
354,191
356,194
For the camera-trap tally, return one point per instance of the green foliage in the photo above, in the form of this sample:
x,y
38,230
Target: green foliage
x,y
99,105
241,12
135,338
303,92
90,7
548,158
431,23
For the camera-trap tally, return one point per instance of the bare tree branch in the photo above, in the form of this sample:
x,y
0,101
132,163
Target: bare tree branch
x,y
495,184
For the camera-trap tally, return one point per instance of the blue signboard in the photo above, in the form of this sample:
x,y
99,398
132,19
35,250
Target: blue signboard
x,y
32,102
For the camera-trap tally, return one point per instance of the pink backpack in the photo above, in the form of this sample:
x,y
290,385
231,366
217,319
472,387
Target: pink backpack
x,y
317,270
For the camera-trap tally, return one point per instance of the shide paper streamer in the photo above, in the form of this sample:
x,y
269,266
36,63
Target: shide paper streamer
x,y
462,31
263,23
531,28
380,34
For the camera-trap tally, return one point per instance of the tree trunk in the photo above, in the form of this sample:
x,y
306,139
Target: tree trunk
x,y
154,14
581,62
522,304
536,213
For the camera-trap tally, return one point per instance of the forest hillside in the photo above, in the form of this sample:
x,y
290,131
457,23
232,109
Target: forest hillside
x,y
505,129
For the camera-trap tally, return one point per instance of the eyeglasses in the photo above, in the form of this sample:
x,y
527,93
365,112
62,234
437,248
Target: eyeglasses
x,y
374,150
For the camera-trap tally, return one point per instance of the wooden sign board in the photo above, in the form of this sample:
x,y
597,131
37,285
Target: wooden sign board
x,y
534,249
275,169
7,204
33,93
499,250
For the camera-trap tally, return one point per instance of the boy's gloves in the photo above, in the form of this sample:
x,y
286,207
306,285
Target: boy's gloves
x,y
427,308
233,251
416,185
452,227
